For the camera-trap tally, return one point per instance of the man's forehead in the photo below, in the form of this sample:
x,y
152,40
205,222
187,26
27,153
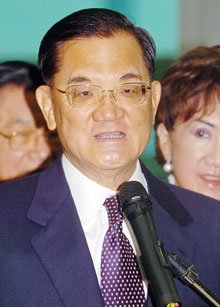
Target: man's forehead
x,y
120,34
120,53
119,42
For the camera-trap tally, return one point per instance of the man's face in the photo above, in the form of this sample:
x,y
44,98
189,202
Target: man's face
x,y
107,136
16,107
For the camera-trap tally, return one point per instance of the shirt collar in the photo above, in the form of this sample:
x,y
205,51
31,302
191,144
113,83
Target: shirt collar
x,y
88,195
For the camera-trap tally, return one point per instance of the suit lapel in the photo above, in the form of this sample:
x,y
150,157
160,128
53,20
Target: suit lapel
x,y
61,245
171,220
167,199
168,210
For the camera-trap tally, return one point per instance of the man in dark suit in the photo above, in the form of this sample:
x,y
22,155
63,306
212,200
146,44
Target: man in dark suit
x,y
101,99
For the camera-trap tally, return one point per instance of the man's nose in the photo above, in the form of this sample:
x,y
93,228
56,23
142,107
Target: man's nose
x,y
108,109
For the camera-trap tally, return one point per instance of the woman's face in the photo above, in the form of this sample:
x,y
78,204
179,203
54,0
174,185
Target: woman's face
x,y
194,150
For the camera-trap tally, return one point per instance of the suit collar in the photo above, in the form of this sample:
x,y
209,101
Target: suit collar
x,y
50,193
167,199
60,244
171,220
52,189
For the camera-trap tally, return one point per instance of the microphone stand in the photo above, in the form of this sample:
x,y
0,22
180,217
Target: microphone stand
x,y
157,264
189,273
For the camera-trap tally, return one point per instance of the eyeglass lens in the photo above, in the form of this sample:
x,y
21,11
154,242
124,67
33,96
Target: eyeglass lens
x,y
90,94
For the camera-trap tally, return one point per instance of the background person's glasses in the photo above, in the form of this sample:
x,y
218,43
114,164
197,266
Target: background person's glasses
x,y
24,139
89,95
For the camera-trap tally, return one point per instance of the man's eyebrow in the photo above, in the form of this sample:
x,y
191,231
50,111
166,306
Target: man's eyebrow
x,y
79,79
204,122
130,76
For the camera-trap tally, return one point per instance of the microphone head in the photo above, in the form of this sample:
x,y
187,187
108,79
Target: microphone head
x,y
133,198
130,190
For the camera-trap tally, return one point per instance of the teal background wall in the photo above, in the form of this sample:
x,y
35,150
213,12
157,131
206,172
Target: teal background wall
x,y
23,23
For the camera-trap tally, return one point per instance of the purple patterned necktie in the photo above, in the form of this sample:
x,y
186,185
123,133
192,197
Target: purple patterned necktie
x,y
121,282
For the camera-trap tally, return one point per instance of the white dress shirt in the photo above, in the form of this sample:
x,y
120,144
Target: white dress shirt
x,y
89,198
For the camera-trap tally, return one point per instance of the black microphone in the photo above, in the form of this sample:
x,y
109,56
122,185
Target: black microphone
x,y
137,207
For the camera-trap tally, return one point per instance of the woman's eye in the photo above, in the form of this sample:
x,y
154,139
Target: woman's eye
x,y
202,133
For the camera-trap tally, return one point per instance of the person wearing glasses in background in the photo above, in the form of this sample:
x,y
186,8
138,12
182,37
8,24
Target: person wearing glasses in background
x,y
24,144
64,241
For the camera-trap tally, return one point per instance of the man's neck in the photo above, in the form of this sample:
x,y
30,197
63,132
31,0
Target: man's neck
x,y
109,178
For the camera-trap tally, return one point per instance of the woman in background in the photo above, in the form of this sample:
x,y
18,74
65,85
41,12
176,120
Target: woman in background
x,y
188,122
24,144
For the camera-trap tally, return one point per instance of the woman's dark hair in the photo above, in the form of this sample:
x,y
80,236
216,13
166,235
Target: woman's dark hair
x,y
87,23
20,73
188,87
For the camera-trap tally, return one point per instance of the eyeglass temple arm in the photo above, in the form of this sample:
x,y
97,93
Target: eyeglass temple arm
x,y
5,135
63,92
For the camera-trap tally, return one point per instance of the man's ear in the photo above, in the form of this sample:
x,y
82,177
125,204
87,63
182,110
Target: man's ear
x,y
164,141
43,96
155,94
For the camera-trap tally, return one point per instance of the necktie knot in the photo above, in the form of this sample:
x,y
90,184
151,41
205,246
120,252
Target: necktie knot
x,y
114,213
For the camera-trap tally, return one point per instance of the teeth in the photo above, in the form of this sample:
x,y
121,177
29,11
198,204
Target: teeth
x,y
110,136
211,178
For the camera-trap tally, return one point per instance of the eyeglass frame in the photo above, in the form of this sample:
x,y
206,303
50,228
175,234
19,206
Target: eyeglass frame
x,y
17,132
147,87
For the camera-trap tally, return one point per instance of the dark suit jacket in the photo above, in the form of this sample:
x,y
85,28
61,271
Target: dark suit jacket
x,y
44,257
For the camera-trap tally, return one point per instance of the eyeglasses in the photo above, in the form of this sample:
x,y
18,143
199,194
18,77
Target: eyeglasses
x,y
24,139
87,95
